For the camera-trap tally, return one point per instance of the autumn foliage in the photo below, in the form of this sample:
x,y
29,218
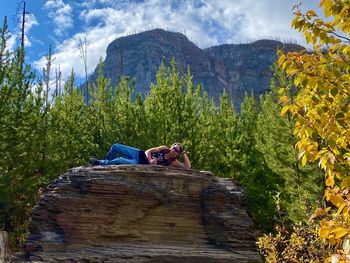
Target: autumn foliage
x,y
300,244
322,113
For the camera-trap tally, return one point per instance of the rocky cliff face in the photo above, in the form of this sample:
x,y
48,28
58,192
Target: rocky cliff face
x,y
248,66
141,214
236,68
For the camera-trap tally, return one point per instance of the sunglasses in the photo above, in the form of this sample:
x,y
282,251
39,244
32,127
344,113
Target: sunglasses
x,y
175,149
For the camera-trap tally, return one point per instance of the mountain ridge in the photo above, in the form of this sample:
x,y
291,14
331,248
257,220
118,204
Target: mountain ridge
x,y
236,68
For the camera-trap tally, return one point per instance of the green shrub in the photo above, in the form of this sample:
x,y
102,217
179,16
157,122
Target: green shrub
x,y
299,244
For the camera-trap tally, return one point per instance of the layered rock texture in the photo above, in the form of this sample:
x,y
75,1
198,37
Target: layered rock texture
x,y
237,68
141,214
4,247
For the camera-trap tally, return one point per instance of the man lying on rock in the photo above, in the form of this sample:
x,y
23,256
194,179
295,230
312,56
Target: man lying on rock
x,y
161,155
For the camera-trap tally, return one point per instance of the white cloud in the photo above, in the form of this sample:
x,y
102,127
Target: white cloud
x,y
205,22
11,43
30,22
68,56
106,1
61,14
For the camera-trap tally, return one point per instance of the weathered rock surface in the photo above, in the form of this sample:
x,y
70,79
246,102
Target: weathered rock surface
x,y
237,68
141,214
4,247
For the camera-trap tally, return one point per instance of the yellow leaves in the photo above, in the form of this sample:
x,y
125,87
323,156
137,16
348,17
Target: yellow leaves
x,y
324,232
319,212
336,200
345,182
327,8
294,22
281,59
321,109
284,100
345,212
303,160
284,110
339,232
310,14
341,208
298,23
330,181
310,38
333,234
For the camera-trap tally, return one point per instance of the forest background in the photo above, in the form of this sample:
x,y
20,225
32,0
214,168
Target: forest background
x,y
266,152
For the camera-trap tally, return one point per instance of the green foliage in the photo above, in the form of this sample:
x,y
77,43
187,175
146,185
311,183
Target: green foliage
x,y
20,116
301,244
192,101
69,137
101,112
164,106
300,188
259,181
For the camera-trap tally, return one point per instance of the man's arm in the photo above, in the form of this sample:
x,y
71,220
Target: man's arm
x,y
149,152
185,164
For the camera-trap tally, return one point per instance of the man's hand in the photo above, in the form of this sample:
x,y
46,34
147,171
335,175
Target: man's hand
x,y
153,161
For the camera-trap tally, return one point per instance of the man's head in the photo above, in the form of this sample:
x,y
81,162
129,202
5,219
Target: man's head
x,y
177,147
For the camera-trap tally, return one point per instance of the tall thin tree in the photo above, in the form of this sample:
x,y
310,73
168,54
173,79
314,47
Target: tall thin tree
x,y
83,54
47,72
121,60
58,75
23,24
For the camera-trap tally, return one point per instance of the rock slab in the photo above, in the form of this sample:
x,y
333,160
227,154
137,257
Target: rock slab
x,y
4,247
141,214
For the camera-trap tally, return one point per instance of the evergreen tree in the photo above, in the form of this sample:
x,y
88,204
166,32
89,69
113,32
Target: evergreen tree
x,y
259,181
189,118
301,190
227,127
125,114
20,115
70,134
101,113
164,105
140,123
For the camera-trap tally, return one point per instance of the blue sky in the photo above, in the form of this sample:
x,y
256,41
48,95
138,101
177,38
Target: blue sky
x,y
61,23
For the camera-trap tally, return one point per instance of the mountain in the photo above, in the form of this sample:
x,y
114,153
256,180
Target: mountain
x,y
238,68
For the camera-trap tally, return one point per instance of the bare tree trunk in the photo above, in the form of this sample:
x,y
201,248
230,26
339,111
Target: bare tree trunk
x,y
83,52
23,24
58,82
121,60
47,72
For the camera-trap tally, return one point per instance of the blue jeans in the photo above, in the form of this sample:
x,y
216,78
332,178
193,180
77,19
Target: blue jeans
x,y
131,154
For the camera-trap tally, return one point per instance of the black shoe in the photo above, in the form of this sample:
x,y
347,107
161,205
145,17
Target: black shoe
x,y
94,161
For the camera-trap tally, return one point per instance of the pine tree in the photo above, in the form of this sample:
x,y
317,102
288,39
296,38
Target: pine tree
x,y
124,112
189,118
71,140
164,105
259,181
101,113
301,190
20,115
